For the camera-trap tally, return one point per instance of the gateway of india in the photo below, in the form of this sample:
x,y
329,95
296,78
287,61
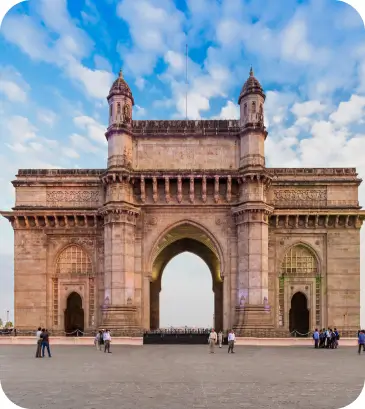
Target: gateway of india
x,y
282,244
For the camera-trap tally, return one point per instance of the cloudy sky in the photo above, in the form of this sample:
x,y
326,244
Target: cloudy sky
x,y
59,58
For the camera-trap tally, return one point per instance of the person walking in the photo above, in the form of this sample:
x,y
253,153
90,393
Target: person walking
x,y
220,339
107,340
97,340
45,342
316,338
361,341
231,341
38,353
212,340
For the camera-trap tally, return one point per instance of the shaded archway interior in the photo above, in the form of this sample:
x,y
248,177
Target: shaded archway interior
x,y
185,238
74,314
299,314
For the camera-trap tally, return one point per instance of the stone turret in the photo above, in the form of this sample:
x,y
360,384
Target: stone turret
x,y
119,135
253,132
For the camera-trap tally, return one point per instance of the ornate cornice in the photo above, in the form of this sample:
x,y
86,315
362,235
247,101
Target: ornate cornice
x,y
121,213
53,219
303,220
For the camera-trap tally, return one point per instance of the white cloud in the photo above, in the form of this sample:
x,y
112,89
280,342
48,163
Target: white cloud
x,y
47,116
230,111
12,85
294,43
308,108
94,130
349,111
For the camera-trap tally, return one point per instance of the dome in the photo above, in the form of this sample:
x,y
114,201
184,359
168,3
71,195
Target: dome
x,y
120,87
251,86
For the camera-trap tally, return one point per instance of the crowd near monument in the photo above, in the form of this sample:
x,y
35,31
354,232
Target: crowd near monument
x,y
282,244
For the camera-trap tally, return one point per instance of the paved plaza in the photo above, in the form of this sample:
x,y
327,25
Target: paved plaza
x,y
182,376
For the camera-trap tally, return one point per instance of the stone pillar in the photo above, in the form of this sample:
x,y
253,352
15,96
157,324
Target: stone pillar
x,y
119,309
155,289
253,310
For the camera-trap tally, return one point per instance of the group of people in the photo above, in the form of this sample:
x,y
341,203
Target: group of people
x,y
326,338
215,338
103,339
42,343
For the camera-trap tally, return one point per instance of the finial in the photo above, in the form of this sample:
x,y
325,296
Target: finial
x,y
120,73
251,72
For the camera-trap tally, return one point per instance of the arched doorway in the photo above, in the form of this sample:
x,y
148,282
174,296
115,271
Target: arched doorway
x,y
74,315
186,297
186,237
299,315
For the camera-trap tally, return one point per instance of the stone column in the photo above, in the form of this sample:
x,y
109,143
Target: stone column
x,y
119,309
253,309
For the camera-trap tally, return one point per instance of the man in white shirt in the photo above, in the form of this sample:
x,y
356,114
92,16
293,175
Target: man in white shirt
x,y
38,353
107,339
231,340
212,340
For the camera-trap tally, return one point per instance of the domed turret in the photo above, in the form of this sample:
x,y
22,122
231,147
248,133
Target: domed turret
x,y
251,86
120,101
251,101
120,87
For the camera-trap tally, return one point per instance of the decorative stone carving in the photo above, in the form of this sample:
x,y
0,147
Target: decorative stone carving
x,y
143,190
204,189
76,197
300,197
229,189
167,189
216,189
154,187
191,190
127,114
179,189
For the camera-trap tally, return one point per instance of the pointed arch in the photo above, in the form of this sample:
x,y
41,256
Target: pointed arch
x,y
73,260
166,237
300,260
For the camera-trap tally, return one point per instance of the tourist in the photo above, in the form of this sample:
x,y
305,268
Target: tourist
x,y
316,338
39,343
107,339
231,341
97,340
328,338
212,340
220,339
337,338
45,342
101,339
321,338
361,341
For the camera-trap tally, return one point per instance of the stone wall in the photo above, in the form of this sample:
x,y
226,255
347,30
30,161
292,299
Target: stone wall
x,y
30,278
343,278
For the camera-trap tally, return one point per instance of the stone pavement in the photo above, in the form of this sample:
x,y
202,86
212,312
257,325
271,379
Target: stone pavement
x,y
180,376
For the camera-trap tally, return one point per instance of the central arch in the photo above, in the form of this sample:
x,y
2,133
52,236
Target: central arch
x,y
299,314
74,314
192,238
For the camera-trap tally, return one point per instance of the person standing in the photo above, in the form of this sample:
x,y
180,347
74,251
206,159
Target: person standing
x,y
38,353
231,341
97,341
212,340
45,342
316,338
361,341
220,339
337,337
107,339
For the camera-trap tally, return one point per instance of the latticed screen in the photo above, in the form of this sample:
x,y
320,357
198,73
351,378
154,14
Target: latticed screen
x,y
75,261
299,261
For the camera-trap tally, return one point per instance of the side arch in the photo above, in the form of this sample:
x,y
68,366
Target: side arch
x,y
307,247
79,255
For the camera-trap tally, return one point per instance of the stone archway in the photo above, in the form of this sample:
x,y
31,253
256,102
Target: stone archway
x,y
299,314
185,237
74,315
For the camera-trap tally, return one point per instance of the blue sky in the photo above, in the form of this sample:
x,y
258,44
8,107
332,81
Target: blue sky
x,y
59,58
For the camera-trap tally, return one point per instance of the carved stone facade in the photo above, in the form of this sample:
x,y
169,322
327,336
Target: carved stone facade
x,y
91,245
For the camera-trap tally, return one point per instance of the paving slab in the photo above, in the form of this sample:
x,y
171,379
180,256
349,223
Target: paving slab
x,y
182,376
